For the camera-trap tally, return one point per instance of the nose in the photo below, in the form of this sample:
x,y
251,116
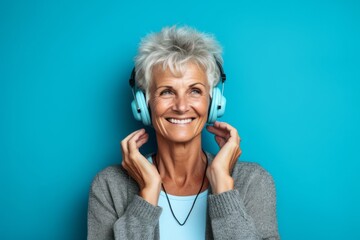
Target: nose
x,y
181,104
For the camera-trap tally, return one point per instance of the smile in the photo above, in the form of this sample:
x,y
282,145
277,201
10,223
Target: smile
x,y
180,121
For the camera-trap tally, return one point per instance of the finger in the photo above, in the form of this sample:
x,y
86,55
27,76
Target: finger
x,y
232,132
220,141
224,126
124,142
133,134
142,140
143,135
218,131
131,143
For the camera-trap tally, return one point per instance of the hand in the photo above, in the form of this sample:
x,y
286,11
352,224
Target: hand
x,y
219,171
139,168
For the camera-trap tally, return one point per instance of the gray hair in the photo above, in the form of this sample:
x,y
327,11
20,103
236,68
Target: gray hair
x,y
174,47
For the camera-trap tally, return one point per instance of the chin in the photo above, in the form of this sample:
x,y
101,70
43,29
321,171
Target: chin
x,y
181,138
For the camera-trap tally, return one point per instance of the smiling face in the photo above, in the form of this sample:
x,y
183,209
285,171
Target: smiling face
x,y
179,104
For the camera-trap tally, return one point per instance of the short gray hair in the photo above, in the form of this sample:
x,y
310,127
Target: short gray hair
x,y
174,47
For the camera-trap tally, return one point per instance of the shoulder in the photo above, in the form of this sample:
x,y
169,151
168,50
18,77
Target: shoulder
x,y
250,168
111,173
113,189
247,174
111,178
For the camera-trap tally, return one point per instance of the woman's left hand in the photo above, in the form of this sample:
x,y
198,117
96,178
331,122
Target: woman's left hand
x,y
219,171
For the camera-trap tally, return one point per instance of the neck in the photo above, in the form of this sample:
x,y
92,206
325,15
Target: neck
x,y
181,165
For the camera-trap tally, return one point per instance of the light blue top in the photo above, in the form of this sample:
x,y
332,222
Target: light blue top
x,y
194,228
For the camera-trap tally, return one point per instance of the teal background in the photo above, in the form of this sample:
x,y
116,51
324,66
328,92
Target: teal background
x,y
292,92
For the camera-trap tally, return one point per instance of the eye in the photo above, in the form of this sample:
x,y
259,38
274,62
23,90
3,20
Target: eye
x,y
165,92
196,91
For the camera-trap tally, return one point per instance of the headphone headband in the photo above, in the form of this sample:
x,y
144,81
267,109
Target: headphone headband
x,y
222,74
132,78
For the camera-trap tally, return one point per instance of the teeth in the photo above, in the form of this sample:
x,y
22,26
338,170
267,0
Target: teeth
x,y
178,121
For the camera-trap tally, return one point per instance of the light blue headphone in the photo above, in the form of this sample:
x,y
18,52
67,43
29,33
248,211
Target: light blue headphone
x,y
141,111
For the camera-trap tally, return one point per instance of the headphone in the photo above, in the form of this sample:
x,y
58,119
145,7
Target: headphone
x,y
141,111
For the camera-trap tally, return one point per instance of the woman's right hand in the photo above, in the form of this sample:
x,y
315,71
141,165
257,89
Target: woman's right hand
x,y
139,168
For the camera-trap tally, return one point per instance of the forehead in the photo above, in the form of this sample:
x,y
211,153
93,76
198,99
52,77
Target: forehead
x,y
190,74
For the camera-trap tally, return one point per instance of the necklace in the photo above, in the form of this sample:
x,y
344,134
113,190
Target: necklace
x,y
168,200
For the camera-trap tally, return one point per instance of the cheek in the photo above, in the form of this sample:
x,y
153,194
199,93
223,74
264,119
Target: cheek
x,y
202,106
158,108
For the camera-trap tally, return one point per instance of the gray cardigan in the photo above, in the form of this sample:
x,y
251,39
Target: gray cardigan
x,y
248,212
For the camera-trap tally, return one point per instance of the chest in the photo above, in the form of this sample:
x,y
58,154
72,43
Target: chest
x,y
184,208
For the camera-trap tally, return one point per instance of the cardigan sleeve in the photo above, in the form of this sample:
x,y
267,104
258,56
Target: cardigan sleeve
x,y
138,220
249,217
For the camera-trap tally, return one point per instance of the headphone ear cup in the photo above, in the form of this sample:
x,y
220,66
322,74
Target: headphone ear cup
x,y
144,114
221,111
134,109
217,105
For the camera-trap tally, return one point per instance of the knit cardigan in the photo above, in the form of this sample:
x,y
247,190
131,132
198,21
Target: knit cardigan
x,y
248,212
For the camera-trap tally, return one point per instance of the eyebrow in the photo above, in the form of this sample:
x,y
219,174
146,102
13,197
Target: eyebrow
x,y
191,85
197,84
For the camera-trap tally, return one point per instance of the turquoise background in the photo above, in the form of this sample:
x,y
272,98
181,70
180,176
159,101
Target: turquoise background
x,y
292,92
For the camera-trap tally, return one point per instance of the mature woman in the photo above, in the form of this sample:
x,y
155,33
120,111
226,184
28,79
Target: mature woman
x,y
181,191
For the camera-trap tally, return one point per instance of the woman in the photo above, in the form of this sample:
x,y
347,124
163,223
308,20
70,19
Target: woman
x,y
181,192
